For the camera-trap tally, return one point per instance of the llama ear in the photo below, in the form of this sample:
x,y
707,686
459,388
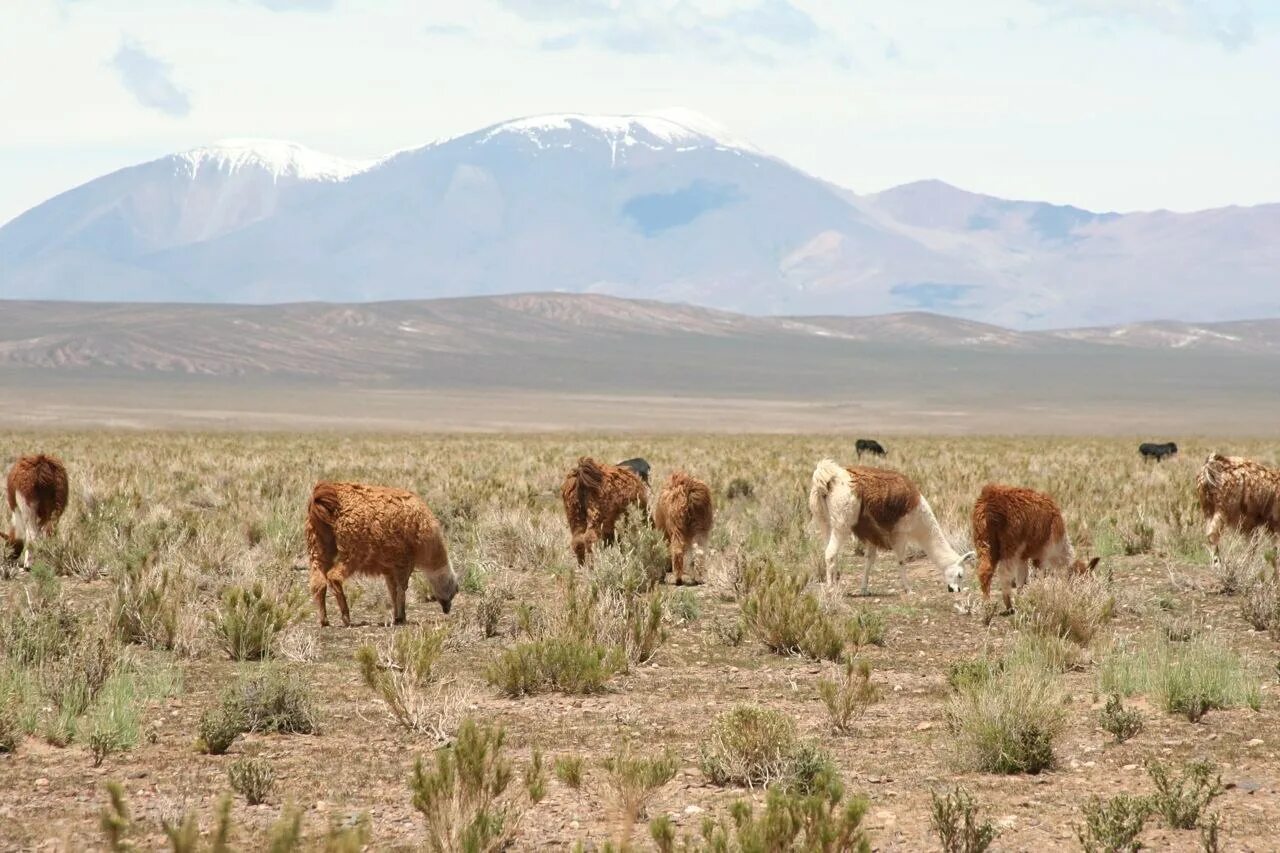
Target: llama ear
x,y
1093,564
969,555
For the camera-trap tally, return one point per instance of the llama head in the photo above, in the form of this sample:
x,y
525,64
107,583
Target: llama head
x,y
954,573
1080,567
444,586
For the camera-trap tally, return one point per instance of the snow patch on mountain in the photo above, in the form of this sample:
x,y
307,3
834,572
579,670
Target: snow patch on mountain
x,y
670,128
278,158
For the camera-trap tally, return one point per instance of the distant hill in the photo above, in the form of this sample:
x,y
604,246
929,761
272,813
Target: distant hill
x,y
666,206
626,363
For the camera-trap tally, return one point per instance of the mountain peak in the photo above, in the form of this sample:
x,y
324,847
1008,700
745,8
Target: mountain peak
x,y
674,127
278,158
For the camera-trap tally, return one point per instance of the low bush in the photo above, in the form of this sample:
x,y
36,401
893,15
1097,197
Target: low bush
x,y
824,820
758,747
252,778
866,628
1007,724
273,700
636,778
847,699
1123,723
1070,607
249,618
567,666
787,619
954,818
1113,826
1181,801
568,769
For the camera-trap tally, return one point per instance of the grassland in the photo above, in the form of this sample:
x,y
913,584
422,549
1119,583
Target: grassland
x,y
179,550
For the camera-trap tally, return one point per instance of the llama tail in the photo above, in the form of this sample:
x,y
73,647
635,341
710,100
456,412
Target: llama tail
x,y
322,512
827,476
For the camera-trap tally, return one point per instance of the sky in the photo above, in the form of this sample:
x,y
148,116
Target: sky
x,y
1106,104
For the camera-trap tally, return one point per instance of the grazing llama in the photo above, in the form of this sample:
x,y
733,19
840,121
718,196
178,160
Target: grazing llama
x,y
684,515
37,494
1238,493
595,496
354,529
885,511
1014,528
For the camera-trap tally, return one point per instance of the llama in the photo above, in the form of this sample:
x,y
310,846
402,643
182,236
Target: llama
x,y
1238,493
1014,528
595,496
37,493
684,515
885,511
355,529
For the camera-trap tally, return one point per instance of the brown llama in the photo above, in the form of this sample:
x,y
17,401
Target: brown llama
x,y
37,494
595,496
684,515
355,529
1014,528
1238,493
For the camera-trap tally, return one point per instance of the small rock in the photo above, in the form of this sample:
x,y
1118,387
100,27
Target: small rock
x,y
1130,767
1255,742
42,782
924,727
573,824
692,810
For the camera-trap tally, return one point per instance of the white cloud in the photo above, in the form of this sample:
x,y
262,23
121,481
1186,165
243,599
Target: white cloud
x,y
149,79
1228,22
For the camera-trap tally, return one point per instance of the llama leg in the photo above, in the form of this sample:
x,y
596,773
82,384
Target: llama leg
x,y
903,582
393,590
834,543
27,529
319,586
336,577
866,568
1006,574
1214,532
677,562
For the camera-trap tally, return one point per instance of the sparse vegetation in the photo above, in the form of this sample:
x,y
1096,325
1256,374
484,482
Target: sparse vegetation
x,y
1189,678
1073,608
112,645
252,778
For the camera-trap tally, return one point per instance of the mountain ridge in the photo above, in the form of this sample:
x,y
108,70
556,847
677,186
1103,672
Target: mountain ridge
x,y
660,206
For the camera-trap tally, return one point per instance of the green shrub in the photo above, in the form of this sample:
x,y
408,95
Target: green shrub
x,y
847,700
114,720
567,666
866,628
787,619
1071,607
739,488
954,819
1185,678
249,618
1261,605
636,778
1181,801
568,769
753,746
1120,721
824,820
683,605
968,674
463,797
252,778
1113,826
146,605
218,728
1008,723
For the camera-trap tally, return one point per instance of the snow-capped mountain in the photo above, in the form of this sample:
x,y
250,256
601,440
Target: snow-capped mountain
x,y
665,205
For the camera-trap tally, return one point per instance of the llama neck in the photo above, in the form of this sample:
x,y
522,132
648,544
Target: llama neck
x,y
935,545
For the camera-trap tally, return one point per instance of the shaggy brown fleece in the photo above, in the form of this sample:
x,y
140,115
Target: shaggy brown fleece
x,y
1238,493
1013,523
684,514
355,529
886,496
41,482
595,496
